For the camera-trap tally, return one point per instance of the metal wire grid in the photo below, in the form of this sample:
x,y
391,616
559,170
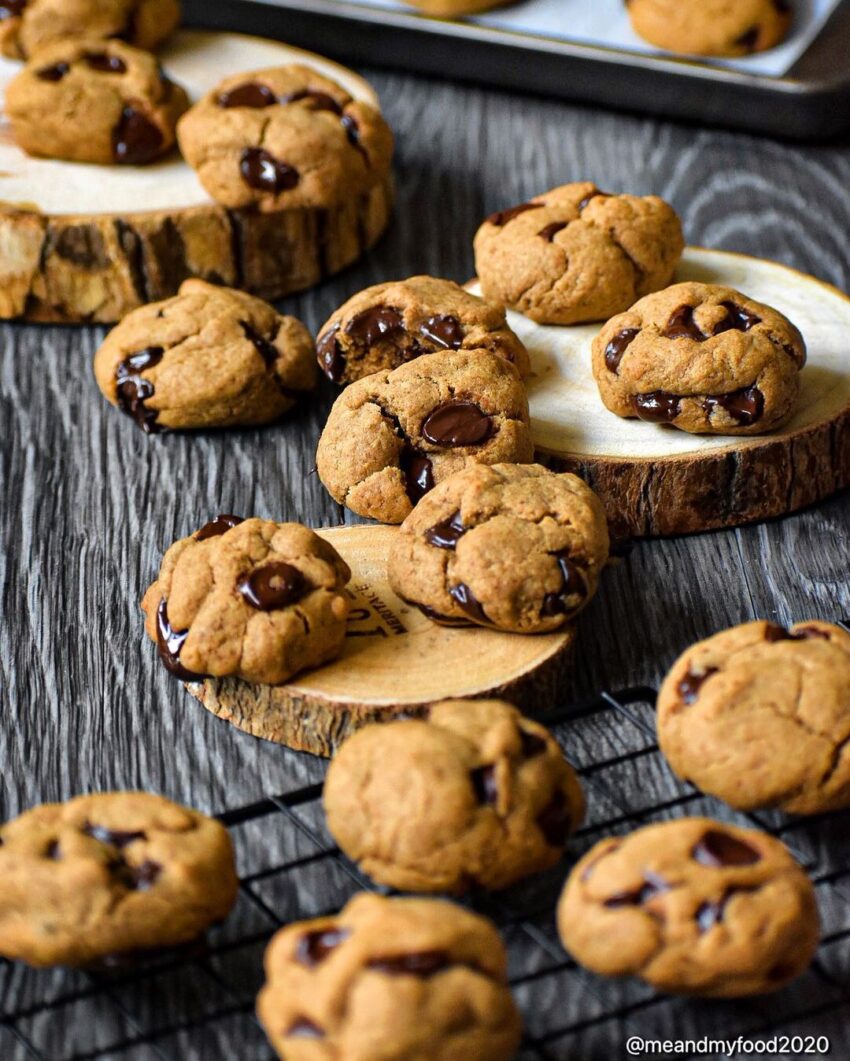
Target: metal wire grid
x,y
199,1003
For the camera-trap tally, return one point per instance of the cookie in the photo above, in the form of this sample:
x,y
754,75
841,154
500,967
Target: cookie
x,y
395,979
107,875
392,436
712,27
692,906
94,101
387,325
759,716
455,8
577,254
703,358
250,598
512,546
209,357
28,25
473,795
285,137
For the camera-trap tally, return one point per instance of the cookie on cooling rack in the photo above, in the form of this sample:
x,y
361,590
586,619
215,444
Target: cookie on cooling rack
x,y
712,27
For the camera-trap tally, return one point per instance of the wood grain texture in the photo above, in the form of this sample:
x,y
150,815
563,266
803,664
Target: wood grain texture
x,y
89,504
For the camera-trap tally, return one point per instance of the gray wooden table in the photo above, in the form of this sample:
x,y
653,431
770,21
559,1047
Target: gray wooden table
x,y
89,504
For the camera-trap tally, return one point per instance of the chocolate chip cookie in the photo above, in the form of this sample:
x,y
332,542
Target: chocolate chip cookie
x,y
577,254
94,101
692,906
455,8
250,598
285,137
28,25
759,716
392,436
107,875
511,546
389,324
703,358
209,357
712,27
473,795
395,979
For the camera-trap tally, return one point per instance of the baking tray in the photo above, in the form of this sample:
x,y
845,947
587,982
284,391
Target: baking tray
x,y
809,102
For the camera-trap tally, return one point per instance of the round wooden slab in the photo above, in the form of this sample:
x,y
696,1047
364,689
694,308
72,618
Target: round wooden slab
x,y
394,663
654,479
90,243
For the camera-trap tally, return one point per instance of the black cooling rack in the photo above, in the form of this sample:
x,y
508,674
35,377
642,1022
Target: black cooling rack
x,y
199,1003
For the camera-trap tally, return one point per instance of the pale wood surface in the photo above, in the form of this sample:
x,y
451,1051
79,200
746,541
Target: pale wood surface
x,y
89,504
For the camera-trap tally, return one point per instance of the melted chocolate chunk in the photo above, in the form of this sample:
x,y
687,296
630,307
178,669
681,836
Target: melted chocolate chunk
x,y
319,101
170,642
554,820
135,139
617,347
424,964
252,94
352,132
145,875
330,355
12,8
436,617
484,783
502,217
457,423
443,331
105,63
218,526
653,885
447,534
304,1028
133,390
265,173
273,586
737,319
465,599
775,632
745,405
376,324
573,586
551,231
717,848
806,633
595,194
418,474
267,351
657,407
689,687
52,851
52,73
116,837
313,947
748,40
710,914
532,744
683,326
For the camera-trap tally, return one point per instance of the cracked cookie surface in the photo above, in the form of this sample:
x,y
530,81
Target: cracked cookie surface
x,y
704,358
106,875
692,906
392,436
389,324
95,101
209,357
475,794
516,547
577,254
250,598
28,25
712,27
759,716
285,137
395,979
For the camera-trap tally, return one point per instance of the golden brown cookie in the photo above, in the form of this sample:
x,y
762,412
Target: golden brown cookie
x,y
27,25
476,794
455,8
577,254
392,436
106,875
712,27
250,598
285,137
513,546
692,906
389,324
389,979
703,358
94,101
759,716
209,357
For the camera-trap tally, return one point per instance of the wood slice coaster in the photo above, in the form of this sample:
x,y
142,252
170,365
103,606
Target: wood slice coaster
x,y
394,663
90,243
654,479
